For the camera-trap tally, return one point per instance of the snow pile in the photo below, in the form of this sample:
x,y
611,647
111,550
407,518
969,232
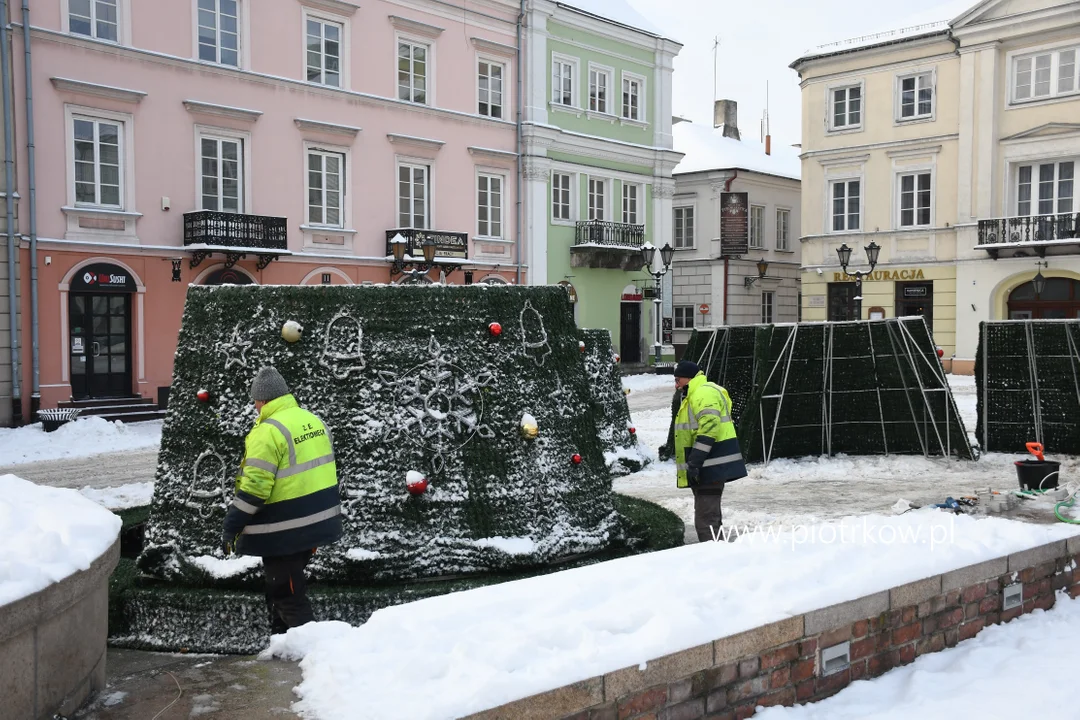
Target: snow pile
x,y
707,149
1018,670
648,381
121,497
82,438
47,534
227,567
456,654
508,545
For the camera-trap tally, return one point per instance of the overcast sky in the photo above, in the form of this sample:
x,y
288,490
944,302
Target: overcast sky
x,y
759,39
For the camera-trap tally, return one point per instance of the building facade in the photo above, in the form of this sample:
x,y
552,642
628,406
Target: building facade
x,y
953,146
597,161
730,290
228,141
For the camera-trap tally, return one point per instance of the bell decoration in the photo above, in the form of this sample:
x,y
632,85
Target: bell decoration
x,y
291,331
529,428
203,395
495,329
415,483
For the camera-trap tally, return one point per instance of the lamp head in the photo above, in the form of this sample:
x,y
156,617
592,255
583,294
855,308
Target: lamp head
x,y
844,252
397,246
648,254
666,253
429,251
872,251
762,267
1039,281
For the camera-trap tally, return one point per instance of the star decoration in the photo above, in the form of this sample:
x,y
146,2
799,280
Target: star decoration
x,y
234,349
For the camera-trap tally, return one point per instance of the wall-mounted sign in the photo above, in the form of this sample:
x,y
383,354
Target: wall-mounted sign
x,y
876,313
815,301
704,308
668,329
103,277
734,224
915,291
912,274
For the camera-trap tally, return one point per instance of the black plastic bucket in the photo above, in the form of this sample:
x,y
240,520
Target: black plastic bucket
x,y
1037,474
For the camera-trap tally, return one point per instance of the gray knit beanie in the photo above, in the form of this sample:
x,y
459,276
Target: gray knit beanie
x,y
268,385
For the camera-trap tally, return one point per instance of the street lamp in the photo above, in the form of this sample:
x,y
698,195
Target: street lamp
x,y
648,254
762,268
1039,281
844,252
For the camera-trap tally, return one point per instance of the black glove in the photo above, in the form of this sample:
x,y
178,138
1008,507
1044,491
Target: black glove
x,y
692,474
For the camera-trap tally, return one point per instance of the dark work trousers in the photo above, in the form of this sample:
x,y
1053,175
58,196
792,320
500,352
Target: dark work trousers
x,y
708,518
286,591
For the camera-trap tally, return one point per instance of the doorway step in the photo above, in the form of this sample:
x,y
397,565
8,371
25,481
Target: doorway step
x,y
128,410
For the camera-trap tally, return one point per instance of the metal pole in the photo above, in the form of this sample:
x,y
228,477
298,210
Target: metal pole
x,y
9,205
858,295
657,304
35,396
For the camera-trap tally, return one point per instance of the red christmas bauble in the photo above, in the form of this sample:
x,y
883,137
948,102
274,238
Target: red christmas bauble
x,y
581,345
495,329
419,487
633,430
618,358
576,459
940,352
203,395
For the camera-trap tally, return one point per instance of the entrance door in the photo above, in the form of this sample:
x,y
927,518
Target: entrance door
x,y
100,345
841,302
916,299
630,332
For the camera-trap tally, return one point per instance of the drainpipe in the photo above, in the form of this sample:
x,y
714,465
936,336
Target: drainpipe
x,y
520,138
727,188
35,397
9,209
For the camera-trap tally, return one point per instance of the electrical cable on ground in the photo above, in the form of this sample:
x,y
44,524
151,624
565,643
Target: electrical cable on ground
x,y
178,696
1068,502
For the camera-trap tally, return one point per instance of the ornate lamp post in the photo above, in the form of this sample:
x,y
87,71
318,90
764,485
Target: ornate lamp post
x,y
762,268
844,252
416,269
648,254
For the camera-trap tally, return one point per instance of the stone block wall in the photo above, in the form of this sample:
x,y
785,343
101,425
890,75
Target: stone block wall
x,y
780,663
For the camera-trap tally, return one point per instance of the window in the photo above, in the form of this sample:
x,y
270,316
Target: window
x,y
597,199
489,206
413,194
221,181
783,229
412,71
490,77
846,107
98,165
324,52
757,226
599,86
326,172
631,98
93,18
845,205
219,32
915,200
684,317
1045,75
768,302
684,228
916,96
562,82
560,197
841,299
631,196
1053,191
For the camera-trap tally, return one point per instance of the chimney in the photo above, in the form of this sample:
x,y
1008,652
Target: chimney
x,y
768,144
725,115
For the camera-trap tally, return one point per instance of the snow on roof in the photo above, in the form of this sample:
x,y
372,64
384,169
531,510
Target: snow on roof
x,y
707,149
618,11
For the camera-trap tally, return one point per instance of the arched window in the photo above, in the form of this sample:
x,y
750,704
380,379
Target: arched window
x,y
228,276
1059,299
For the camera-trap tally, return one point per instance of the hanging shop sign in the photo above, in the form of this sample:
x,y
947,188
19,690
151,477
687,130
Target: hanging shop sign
x,y
915,291
734,224
668,329
103,277
912,274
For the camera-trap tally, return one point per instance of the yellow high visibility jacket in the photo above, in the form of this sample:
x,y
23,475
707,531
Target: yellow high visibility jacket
x,y
705,437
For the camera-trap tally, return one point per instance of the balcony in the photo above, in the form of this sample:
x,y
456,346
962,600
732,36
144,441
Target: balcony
x,y
235,236
405,249
1038,234
608,245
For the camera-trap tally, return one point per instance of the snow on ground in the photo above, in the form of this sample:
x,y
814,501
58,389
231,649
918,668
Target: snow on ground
x,y
83,438
647,382
456,654
1017,670
47,534
227,567
121,497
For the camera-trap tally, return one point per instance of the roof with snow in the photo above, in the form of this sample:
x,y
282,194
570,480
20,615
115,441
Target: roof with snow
x,y
706,149
617,11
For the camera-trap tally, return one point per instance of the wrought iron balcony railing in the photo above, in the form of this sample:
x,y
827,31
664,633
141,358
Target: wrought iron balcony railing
x,y
1029,229
258,232
619,235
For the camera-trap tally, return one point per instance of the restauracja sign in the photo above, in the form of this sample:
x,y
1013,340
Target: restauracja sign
x,y
916,274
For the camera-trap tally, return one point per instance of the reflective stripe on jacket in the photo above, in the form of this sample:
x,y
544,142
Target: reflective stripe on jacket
x,y
287,491
705,436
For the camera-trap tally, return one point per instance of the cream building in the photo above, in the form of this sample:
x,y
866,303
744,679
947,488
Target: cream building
x,y
953,146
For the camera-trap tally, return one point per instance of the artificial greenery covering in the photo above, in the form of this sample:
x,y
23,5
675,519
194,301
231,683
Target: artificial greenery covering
x,y
408,378
1027,377
617,433
860,388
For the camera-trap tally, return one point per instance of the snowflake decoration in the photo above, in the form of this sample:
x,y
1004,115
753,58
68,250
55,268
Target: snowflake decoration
x,y
348,358
440,405
209,483
534,337
234,349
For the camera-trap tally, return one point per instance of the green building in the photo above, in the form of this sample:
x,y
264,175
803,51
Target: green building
x,y
598,159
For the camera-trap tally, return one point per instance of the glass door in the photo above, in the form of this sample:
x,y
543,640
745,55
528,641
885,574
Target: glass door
x,y
100,345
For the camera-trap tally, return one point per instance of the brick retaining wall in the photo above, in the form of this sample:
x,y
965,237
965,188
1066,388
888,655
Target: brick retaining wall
x,y
780,663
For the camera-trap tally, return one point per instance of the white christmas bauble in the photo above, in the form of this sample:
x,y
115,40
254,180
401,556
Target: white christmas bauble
x,y
291,331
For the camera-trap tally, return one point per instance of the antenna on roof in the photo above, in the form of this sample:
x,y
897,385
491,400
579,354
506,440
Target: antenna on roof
x,y
715,47
766,135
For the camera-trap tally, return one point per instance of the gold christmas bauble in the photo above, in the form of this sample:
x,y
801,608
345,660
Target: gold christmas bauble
x,y
291,331
529,431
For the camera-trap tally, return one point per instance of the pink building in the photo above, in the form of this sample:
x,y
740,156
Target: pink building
x,y
271,142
